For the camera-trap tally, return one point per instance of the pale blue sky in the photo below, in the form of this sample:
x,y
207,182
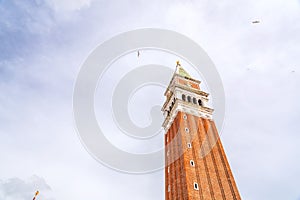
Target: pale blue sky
x,y
44,42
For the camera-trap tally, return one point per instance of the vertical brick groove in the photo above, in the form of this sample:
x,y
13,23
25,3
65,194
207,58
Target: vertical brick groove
x,y
193,133
209,133
177,190
178,162
174,189
181,160
227,169
202,128
184,171
167,176
190,135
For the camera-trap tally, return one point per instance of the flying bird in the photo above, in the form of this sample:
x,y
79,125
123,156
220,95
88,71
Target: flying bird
x,y
255,22
138,54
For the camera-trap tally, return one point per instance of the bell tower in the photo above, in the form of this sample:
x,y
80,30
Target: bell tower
x,y
196,164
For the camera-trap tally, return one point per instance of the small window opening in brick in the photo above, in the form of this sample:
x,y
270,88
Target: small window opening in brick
x,y
196,187
192,163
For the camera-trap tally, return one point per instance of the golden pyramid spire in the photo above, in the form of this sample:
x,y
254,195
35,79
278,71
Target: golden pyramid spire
x,y
179,70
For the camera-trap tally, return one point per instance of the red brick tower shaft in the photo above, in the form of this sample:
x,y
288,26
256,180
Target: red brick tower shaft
x,y
196,164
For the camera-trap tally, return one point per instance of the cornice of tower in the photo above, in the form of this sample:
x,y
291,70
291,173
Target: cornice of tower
x,y
184,94
186,107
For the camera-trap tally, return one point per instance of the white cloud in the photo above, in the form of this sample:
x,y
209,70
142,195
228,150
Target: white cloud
x,y
69,5
18,189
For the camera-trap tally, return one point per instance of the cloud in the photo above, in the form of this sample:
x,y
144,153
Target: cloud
x,y
22,26
69,5
18,189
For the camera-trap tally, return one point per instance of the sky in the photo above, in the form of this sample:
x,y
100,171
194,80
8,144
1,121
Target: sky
x,y
45,42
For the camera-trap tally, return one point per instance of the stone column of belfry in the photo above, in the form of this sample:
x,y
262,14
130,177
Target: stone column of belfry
x,y
196,164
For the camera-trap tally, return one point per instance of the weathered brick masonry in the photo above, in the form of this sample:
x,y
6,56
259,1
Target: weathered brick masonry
x,y
196,164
